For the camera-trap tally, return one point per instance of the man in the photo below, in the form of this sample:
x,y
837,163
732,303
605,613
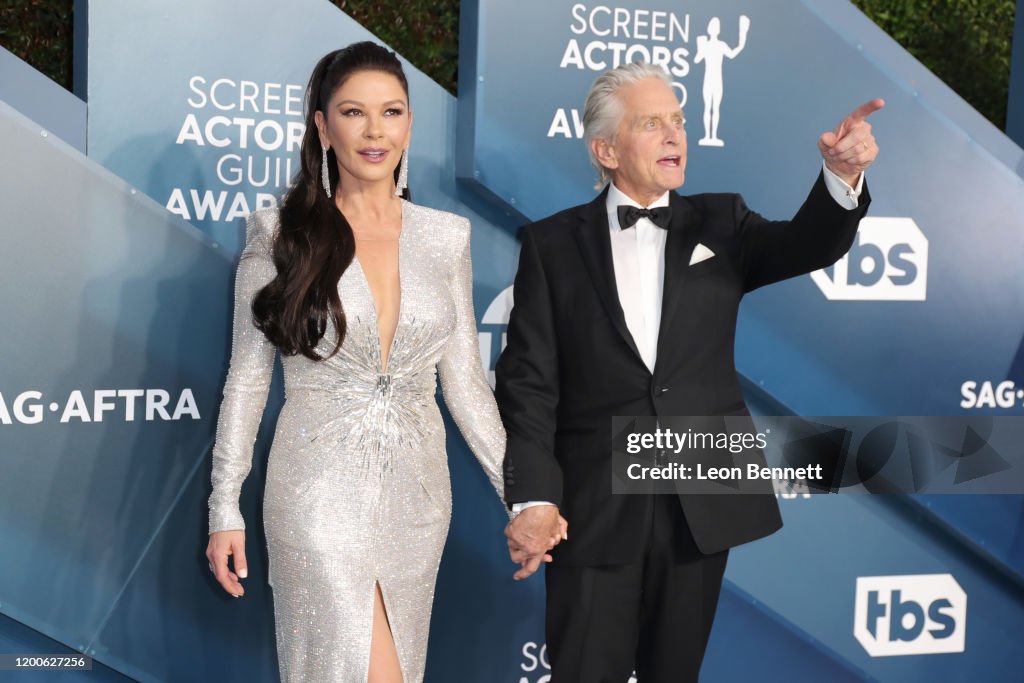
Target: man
x,y
627,306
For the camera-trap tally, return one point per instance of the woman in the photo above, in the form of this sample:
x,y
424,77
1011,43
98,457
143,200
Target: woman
x,y
368,298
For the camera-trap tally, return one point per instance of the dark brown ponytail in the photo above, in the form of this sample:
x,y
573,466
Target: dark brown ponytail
x,y
315,243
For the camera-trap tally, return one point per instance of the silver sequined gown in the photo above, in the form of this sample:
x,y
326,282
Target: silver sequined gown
x,y
357,481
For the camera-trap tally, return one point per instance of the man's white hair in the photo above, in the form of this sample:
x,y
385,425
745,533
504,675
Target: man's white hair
x,y
603,112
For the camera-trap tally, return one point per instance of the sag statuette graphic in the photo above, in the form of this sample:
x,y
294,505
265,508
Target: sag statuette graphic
x,y
712,52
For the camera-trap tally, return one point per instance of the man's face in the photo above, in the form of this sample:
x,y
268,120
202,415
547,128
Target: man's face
x,y
648,157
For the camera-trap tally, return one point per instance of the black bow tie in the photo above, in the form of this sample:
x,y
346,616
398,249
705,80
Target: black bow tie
x,y
629,215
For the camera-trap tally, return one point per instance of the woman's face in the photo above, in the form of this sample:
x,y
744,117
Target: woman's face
x,y
367,123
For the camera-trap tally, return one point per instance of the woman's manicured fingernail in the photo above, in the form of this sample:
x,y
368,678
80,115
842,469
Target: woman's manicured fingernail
x,y
243,572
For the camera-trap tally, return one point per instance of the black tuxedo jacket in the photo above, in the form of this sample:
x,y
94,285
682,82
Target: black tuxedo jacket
x,y
571,364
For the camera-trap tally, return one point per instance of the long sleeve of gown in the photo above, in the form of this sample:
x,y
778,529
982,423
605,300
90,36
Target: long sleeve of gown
x,y
466,392
248,380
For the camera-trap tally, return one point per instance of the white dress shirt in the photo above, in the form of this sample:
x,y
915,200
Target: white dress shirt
x,y
638,256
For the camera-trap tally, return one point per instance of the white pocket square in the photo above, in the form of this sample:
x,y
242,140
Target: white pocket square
x,y
700,253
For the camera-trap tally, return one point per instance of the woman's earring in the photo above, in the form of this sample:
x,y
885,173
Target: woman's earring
x,y
325,174
403,174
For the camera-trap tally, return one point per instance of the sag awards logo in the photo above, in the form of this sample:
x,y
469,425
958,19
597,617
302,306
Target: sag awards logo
x,y
262,126
129,405
913,614
887,262
535,666
607,37
492,331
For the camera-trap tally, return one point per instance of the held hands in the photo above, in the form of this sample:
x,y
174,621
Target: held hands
x,y
850,148
222,544
534,532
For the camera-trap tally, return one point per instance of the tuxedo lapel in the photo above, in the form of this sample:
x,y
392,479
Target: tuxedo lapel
x,y
682,238
595,244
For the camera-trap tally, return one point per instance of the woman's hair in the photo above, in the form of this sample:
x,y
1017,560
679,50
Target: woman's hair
x,y
315,243
602,111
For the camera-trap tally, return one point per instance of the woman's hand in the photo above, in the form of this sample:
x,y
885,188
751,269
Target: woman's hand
x,y
222,544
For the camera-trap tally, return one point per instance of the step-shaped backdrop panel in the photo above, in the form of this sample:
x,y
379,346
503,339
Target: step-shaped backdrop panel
x,y
40,99
118,319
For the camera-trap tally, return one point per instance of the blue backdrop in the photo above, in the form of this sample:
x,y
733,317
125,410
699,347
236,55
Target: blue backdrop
x,y
118,267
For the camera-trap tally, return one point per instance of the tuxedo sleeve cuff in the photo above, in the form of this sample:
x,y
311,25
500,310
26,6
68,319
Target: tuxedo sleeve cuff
x,y
519,507
844,195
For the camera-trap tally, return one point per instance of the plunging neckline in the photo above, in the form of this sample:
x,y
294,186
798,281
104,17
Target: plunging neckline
x,y
382,363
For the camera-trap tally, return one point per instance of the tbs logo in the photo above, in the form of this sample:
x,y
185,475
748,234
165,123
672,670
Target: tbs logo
x,y
887,262
913,614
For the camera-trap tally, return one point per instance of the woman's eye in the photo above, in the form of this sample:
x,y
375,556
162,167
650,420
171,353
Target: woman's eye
x,y
351,112
393,112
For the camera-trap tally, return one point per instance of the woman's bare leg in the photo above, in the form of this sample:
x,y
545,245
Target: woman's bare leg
x,y
384,667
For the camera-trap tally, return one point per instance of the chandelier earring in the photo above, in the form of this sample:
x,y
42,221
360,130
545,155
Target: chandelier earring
x,y
403,174
325,172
